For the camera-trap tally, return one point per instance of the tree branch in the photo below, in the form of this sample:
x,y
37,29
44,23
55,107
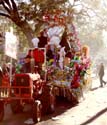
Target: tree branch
x,y
14,5
15,10
5,15
6,8
8,3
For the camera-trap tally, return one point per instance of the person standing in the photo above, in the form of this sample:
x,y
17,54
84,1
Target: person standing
x,y
101,75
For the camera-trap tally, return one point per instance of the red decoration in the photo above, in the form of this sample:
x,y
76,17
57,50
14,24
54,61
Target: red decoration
x,y
46,18
37,54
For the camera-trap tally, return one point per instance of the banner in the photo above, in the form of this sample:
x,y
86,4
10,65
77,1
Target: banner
x,y
11,45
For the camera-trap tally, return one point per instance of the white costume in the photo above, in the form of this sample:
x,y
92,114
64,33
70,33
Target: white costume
x,y
54,34
35,42
55,31
61,57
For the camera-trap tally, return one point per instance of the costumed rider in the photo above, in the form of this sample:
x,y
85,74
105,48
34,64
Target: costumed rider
x,y
36,67
37,55
54,34
34,75
85,57
1,76
35,42
54,46
26,68
61,57
29,61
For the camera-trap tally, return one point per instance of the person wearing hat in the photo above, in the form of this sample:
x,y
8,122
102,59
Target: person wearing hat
x,y
27,65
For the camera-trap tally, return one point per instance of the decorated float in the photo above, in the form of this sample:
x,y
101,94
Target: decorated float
x,y
62,61
67,60
57,66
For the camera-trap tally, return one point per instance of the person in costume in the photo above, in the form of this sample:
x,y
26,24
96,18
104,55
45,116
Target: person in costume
x,y
26,68
1,76
61,57
37,55
85,56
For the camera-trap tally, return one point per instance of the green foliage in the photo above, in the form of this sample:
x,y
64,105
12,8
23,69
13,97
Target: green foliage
x,y
22,13
35,9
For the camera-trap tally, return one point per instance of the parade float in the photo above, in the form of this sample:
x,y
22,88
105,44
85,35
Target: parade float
x,y
57,66
67,60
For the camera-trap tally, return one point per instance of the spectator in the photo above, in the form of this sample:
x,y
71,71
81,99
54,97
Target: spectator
x,y
101,75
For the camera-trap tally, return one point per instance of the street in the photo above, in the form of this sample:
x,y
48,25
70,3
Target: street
x,y
91,111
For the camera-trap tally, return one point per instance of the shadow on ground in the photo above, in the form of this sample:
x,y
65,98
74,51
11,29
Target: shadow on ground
x,y
62,104
94,88
95,116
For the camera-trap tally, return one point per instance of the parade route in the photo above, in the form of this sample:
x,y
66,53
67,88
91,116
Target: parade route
x,y
91,111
